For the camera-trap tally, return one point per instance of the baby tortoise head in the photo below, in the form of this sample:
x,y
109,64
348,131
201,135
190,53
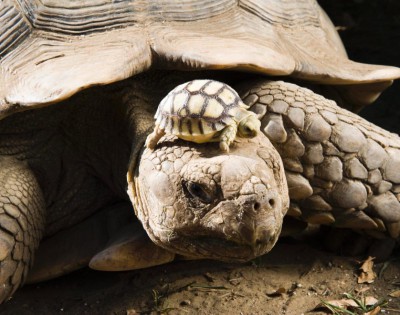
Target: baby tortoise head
x,y
204,111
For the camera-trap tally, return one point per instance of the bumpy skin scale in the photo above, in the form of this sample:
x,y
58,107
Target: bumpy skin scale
x,y
341,169
57,167
231,206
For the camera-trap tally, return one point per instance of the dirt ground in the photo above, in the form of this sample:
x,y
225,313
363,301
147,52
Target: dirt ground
x,y
293,279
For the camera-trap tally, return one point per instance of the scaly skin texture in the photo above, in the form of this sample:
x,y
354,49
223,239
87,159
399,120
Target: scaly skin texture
x,y
341,169
21,223
191,198
58,166
77,153
196,201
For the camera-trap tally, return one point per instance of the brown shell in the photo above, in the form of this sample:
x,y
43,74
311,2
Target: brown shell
x,y
50,49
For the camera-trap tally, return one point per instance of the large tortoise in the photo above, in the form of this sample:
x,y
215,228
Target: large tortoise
x,y
63,167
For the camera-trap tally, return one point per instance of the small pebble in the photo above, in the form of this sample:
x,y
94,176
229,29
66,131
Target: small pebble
x,y
185,303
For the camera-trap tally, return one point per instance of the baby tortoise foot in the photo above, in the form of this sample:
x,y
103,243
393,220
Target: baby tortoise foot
x,y
227,136
154,137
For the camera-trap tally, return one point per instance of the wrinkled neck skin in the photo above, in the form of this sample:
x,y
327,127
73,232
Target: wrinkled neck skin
x,y
196,201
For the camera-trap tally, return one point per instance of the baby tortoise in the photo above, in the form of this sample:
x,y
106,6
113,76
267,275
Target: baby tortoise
x,y
204,111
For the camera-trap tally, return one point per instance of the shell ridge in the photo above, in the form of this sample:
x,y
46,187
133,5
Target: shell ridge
x,y
204,107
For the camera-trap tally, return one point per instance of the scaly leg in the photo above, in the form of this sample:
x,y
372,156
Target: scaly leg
x,y
227,137
22,216
152,139
111,239
341,169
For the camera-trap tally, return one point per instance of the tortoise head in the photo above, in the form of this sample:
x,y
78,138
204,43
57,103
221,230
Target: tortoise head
x,y
249,126
196,201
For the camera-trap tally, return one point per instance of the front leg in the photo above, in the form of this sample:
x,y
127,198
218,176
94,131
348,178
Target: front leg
x,y
22,216
153,138
341,169
227,136
111,239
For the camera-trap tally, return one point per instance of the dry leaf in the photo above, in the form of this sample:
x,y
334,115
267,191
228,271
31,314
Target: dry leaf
x,y
209,277
350,303
343,303
277,292
395,294
367,274
375,311
362,290
369,300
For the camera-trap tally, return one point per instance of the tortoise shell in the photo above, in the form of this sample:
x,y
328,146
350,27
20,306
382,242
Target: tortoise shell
x,y
198,107
51,49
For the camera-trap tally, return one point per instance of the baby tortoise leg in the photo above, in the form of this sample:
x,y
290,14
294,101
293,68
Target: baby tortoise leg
x,y
228,134
22,216
154,137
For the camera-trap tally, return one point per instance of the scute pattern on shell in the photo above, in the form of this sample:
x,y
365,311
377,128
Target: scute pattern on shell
x,y
197,107
42,41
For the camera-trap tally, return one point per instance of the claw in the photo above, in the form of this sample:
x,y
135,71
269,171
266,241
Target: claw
x,y
224,146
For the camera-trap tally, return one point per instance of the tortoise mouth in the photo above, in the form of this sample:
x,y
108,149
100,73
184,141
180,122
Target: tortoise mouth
x,y
207,247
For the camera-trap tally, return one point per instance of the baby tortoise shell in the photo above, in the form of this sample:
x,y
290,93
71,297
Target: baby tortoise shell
x,y
204,111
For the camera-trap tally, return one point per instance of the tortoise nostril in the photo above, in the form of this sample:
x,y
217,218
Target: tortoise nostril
x,y
271,202
256,206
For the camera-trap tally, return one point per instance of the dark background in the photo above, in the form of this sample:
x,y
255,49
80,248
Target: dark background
x,y
370,30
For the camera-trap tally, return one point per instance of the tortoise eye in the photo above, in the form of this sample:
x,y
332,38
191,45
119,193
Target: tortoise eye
x,y
250,132
247,132
198,191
